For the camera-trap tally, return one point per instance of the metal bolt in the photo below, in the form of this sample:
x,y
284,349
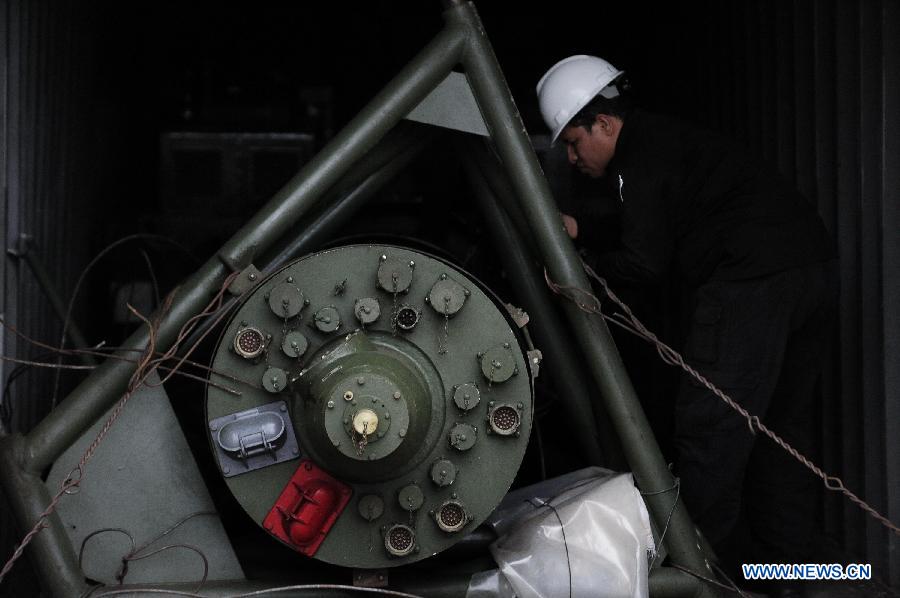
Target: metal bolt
x,y
348,395
467,292
397,395
296,451
506,345
337,443
331,404
226,470
213,427
412,264
251,276
462,437
360,380
383,257
453,495
387,416
290,279
284,407
496,363
443,277
402,433
520,405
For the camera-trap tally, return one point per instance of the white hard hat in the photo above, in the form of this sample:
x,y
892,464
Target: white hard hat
x,y
569,85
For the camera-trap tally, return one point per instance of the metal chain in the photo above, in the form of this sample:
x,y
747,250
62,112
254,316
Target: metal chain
x,y
146,366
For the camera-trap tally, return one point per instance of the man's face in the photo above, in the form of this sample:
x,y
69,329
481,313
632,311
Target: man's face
x,y
590,151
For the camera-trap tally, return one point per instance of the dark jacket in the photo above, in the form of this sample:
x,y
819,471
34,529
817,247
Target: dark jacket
x,y
692,200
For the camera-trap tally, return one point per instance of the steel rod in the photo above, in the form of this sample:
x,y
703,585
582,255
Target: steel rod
x,y
548,330
394,102
515,150
103,387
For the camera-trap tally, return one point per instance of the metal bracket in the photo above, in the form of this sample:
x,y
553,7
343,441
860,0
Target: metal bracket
x,y
23,244
518,315
246,280
451,105
370,578
535,357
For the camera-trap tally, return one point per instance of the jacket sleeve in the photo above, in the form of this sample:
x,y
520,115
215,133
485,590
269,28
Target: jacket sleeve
x,y
647,244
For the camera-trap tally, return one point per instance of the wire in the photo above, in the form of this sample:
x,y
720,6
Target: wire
x,y
731,588
83,274
146,366
107,353
130,558
677,488
269,591
562,528
152,274
589,303
134,553
97,533
5,402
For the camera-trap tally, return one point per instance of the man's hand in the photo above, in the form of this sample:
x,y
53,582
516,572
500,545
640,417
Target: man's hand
x,y
570,224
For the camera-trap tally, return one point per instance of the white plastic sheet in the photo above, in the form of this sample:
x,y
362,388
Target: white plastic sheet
x,y
592,538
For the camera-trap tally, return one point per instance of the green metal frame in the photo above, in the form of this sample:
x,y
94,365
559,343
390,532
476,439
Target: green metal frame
x,y
464,42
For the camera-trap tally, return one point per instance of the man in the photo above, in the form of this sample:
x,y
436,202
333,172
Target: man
x,y
760,268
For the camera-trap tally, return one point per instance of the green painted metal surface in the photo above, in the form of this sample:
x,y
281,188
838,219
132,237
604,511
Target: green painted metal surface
x,y
376,403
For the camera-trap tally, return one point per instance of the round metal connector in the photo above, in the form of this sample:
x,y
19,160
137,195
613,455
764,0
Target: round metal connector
x,y
504,420
400,540
451,516
249,342
407,317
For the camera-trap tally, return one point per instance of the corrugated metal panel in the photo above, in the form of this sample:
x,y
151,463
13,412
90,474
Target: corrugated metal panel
x,y
818,87
890,218
49,188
